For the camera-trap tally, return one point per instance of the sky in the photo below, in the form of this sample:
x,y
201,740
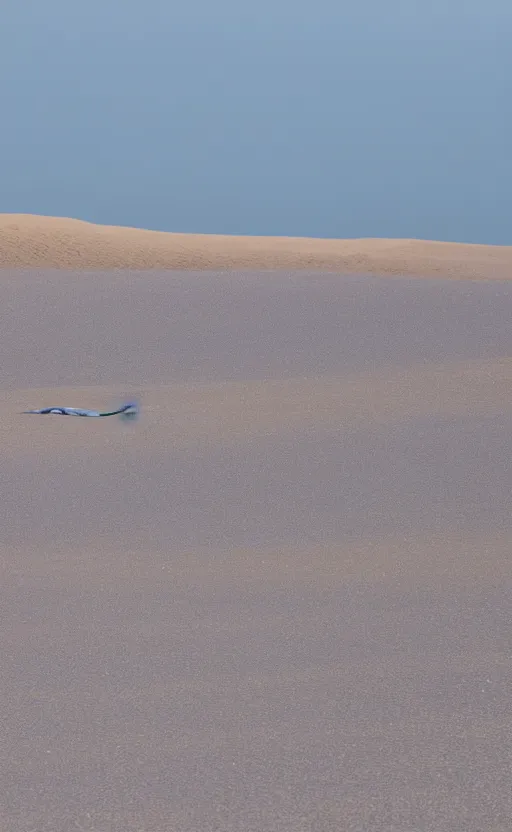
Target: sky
x,y
322,119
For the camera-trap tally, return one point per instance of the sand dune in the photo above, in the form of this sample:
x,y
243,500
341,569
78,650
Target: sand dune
x,y
51,242
280,602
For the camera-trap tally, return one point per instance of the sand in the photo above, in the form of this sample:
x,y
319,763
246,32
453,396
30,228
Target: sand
x,y
281,601
50,242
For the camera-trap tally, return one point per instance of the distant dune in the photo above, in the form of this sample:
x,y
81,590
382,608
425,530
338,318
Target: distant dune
x,y
28,240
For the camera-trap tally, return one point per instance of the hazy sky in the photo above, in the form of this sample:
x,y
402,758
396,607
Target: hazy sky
x,y
326,118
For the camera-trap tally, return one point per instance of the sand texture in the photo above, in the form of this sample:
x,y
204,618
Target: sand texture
x,y
280,602
50,242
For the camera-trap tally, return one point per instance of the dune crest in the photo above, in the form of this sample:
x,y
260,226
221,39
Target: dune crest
x,y
28,240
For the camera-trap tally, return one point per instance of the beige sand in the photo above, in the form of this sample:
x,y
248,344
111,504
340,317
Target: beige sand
x,y
37,241
281,601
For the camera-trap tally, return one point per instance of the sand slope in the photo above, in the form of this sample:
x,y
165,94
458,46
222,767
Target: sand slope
x,y
281,601
37,241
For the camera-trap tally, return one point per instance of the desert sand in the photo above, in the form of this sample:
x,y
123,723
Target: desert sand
x,y
52,242
280,602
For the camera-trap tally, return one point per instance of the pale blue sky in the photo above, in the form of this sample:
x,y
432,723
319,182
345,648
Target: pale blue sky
x,y
324,118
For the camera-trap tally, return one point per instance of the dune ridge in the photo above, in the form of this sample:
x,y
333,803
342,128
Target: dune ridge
x,y
28,241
